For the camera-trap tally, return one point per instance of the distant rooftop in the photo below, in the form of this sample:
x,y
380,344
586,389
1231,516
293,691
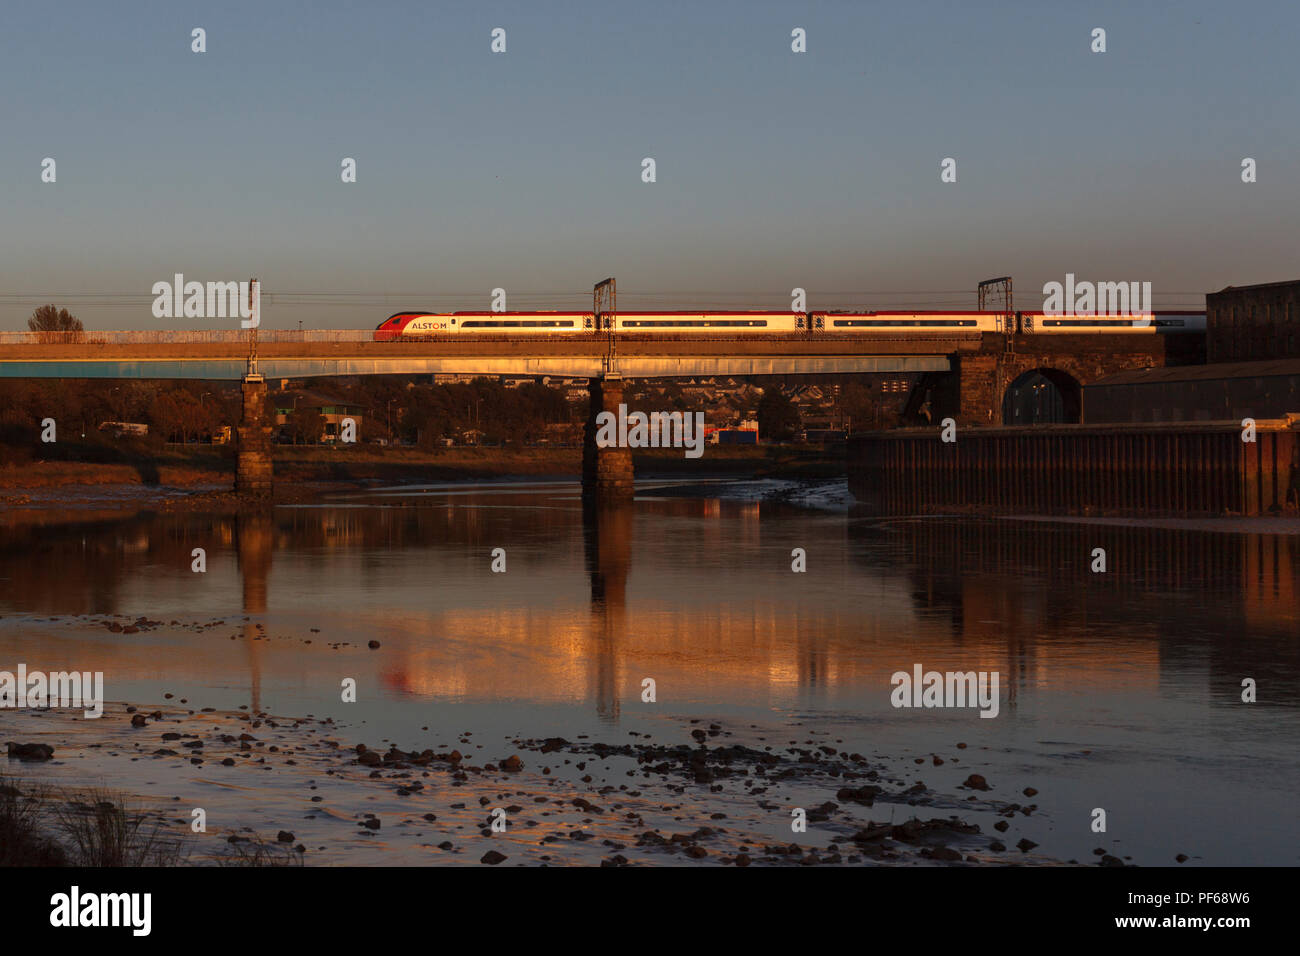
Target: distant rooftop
x,y
310,399
1215,371
1260,285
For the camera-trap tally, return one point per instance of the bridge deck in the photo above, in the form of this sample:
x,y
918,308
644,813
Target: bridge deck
x,y
281,354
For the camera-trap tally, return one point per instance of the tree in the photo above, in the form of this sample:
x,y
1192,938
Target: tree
x,y
305,425
165,416
863,407
194,418
50,318
778,419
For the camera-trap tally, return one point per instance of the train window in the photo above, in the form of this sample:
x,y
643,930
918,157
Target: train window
x,y
904,323
516,324
692,323
1089,323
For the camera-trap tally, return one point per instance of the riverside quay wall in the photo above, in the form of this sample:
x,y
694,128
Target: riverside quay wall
x,y
1201,468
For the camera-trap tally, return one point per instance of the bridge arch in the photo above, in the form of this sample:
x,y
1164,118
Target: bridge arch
x,y
1041,396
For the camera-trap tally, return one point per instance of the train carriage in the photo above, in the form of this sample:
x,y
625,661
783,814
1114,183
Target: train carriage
x,y
718,323
1150,323
411,325
921,322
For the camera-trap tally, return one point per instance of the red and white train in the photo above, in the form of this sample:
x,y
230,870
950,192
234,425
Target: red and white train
x,y
416,325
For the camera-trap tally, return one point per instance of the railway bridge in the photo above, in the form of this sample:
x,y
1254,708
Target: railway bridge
x,y
968,376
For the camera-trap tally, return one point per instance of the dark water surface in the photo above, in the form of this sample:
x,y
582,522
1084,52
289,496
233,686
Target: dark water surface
x,y
1119,691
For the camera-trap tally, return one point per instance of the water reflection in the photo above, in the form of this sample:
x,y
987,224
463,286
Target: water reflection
x,y
607,539
255,537
1169,601
712,599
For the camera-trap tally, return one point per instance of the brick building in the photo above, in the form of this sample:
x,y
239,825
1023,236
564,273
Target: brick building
x,y
1250,323
333,411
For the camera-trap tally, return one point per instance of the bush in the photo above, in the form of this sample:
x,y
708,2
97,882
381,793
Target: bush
x,y
22,816
103,833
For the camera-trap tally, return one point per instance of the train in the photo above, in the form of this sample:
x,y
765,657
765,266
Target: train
x,y
406,326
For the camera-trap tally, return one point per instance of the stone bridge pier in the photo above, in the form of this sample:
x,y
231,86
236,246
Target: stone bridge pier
x,y
253,471
606,472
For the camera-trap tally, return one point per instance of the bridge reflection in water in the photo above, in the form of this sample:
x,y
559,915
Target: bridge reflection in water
x,y
254,537
607,536
696,593
1026,591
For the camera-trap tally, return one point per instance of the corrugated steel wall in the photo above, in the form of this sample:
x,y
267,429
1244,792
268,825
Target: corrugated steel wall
x,y
1175,470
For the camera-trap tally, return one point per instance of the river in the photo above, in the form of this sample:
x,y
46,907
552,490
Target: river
x,y
1119,690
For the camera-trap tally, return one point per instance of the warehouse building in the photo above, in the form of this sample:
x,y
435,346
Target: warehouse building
x,y
1225,391
1247,323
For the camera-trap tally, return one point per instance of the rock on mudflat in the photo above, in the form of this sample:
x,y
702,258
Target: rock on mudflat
x,y
945,853
492,858
976,782
30,751
865,795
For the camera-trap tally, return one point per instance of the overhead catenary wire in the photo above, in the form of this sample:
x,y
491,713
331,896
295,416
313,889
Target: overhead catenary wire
x,y
585,292
341,308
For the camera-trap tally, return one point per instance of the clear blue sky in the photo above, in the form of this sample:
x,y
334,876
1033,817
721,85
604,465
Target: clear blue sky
x,y
522,170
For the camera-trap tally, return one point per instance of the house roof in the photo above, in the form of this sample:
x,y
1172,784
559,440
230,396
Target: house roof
x,y
309,398
1260,285
1215,371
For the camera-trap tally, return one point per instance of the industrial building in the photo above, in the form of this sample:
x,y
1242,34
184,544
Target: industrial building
x,y
1247,323
1252,371
1224,391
